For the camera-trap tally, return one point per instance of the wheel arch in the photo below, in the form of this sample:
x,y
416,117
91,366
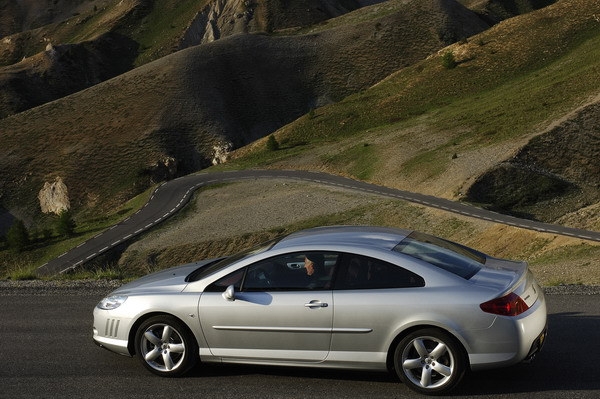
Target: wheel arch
x,y
142,319
402,334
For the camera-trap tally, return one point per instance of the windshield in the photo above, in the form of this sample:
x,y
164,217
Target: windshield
x,y
220,264
447,255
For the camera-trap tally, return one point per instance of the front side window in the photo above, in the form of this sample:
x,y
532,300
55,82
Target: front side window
x,y
234,279
289,272
221,264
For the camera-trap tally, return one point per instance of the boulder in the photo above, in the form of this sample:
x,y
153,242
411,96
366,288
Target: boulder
x,y
54,197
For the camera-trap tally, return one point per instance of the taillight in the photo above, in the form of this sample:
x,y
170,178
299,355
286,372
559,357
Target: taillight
x,y
508,305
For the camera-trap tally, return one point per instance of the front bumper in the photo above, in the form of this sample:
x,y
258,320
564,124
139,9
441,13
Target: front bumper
x,y
115,345
111,332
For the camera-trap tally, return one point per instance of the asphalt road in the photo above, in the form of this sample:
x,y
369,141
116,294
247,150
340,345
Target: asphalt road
x,y
47,352
173,195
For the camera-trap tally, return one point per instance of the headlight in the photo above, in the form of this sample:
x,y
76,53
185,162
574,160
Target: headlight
x,y
111,302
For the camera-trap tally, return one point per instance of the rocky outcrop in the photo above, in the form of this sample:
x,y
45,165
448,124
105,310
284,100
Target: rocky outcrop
x,y
222,18
221,152
54,197
219,18
163,170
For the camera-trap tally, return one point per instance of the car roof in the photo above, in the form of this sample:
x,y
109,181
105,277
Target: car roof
x,y
357,236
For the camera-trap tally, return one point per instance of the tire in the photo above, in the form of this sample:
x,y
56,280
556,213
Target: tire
x,y
165,346
430,361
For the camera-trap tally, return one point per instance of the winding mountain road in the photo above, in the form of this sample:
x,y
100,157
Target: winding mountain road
x,y
170,197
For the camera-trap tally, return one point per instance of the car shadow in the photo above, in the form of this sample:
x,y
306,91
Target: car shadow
x,y
566,363
572,340
229,370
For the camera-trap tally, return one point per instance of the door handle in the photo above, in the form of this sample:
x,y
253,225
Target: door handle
x,y
316,304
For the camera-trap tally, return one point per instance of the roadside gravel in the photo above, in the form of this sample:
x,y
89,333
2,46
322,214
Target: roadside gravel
x,y
103,287
65,287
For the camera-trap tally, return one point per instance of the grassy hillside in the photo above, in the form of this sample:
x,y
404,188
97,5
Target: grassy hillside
x,y
93,44
104,142
49,50
155,27
376,94
437,129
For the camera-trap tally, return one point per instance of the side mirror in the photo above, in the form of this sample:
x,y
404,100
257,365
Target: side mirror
x,y
229,293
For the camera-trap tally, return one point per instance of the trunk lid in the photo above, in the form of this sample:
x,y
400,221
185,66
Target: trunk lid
x,y
505,276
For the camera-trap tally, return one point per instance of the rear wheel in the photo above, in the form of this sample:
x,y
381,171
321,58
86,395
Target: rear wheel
x,y
430,361
165,346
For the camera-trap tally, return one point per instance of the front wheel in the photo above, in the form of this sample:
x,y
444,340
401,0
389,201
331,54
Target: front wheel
x,y
430,361
165,346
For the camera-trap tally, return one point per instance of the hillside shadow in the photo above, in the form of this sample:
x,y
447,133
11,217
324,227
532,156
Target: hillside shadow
x,y
6,220
102,219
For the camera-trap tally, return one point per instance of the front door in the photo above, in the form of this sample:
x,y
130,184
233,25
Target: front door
x,y
278,314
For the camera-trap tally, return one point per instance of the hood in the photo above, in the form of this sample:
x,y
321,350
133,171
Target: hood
x,y
168,280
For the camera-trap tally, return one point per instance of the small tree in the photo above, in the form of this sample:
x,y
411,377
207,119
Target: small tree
x,y
17,236
272,143
65,225
448,60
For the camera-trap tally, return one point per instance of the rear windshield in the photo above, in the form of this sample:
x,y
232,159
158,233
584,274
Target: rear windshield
x,y
454,258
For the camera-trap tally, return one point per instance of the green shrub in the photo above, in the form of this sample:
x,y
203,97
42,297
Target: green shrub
x,y
448,60
65,225
17,236
272,143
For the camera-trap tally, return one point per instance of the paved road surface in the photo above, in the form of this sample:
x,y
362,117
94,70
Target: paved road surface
x,y
173,195
47,352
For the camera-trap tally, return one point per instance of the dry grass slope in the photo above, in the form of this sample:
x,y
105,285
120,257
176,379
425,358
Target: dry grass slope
x,y
437,130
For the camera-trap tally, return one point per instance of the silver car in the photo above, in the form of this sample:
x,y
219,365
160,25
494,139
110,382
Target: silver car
x,y
346,297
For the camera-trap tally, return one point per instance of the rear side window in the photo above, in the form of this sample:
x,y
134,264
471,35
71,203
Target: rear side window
x,y
359,272
454,258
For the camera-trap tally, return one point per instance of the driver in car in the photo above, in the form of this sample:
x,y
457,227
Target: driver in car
x,y
314,264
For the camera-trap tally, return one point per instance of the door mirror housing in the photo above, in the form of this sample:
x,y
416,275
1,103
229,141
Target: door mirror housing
x,y
229,293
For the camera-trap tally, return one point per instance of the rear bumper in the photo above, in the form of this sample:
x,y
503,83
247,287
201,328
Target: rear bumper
x,y
511,340
537,345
